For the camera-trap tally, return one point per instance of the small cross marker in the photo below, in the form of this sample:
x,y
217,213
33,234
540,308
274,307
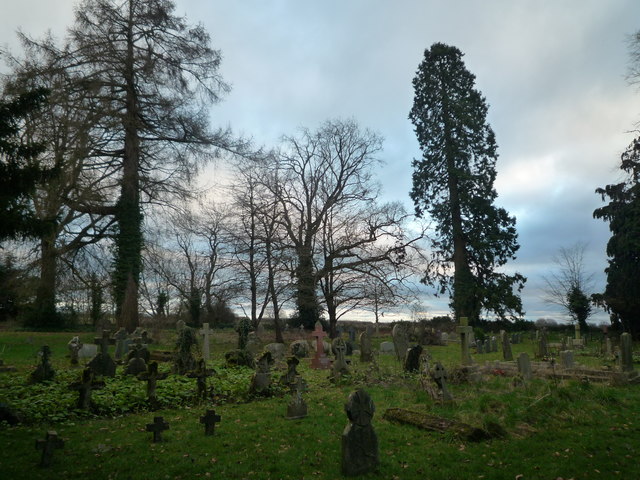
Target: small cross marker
x,y
157,427
209,420
48,446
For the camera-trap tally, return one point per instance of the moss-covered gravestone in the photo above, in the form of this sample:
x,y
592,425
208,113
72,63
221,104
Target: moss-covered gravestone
x,y
359,440
44,371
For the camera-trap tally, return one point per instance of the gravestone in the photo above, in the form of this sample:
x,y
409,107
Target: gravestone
x,y
479,346
209,420
44,371
524,366
608,350
387,348
102,363
400,341
289,378
339,367
136,363
261,380
278,350
122,343
444,338
297,407
145,338
85,387
180,324
464,330
412,359
507,355
201,373
87,350
184,361
365,347
151,376
50,443
487,345
626,352
299,348
543,346
74,347
320,360
205,332
253,344
440,376
359,440
352,334
157,427
566,359
494,343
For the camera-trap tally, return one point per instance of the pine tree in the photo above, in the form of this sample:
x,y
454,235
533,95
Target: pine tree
x,y
453,184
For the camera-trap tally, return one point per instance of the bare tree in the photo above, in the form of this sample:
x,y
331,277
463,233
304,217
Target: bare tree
x,y
569,285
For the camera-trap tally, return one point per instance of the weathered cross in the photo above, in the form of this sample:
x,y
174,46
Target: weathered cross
x,y
205,332
200,374
157,427
104,341
209,420
152,376
440,377
464,330
85,387
48,446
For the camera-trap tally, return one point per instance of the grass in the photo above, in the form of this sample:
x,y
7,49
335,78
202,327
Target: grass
x,y
568,430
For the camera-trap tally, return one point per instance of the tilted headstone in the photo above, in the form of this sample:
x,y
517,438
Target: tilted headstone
x,y
359,440
626,352
157,427
44,371
400,341
209,420
320,360
412,359
85,387
440,376
524,366
205,332
506,346
50,443
366,352
297,407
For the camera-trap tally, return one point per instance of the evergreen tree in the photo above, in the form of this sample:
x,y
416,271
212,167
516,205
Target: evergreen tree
x,y
622,293
453,184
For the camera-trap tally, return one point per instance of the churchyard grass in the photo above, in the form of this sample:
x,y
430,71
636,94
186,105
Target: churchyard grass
x,y
545,429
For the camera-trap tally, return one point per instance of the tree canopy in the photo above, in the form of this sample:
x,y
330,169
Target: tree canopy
x,y
453,185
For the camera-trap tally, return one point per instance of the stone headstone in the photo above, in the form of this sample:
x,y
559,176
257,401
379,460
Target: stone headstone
x,y
608,350
157,427
464,330
254,344
180,324
299,348
44,371
205,332
387,348
184,361
278,350
412,359
494,343
507,355
261,380
440,376
352,334
359,440
209,419
626,352
487,345
366,352
102,363
87,350
136,363
339,367
320,360
543,347
566,359
480,346
120,337
289,378
524,366
74,347
297,407
400,341
50,443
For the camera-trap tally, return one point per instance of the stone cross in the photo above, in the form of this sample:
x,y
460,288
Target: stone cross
x,y
209,420
74,347
340,366
464,330
205,332
200,374
626,353
297,407
85,386
157,427
440,377
577,331
320,360
359,441
152,376
48,446
104,342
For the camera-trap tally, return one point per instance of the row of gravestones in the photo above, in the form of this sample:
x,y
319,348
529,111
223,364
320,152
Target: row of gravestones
x,y
359,440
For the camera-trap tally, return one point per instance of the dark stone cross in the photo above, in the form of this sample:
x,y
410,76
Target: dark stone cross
x,y
201,374
104,341
102,363
157,427
152,376
85,386
48,446
209,420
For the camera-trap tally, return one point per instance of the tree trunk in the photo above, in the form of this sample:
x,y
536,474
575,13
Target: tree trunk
x,y
307,301
45,304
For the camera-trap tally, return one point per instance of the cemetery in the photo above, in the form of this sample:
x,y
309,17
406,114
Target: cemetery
x,y
509,405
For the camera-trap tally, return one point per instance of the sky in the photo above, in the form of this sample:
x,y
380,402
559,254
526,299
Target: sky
x,y
553,73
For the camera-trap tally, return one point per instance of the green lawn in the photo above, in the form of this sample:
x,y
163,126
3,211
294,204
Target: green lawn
x,y
561,429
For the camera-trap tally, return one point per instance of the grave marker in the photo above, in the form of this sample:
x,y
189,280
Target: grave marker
x,y
200,374
626,353
151,376
506,346
84,387
205,332
464,330
400,341
440,376
209,420
524,366
320,360
297,407
157,427
50,443
359,440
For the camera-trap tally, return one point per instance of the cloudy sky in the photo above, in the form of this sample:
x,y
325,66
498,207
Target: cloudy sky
x,y
553,73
